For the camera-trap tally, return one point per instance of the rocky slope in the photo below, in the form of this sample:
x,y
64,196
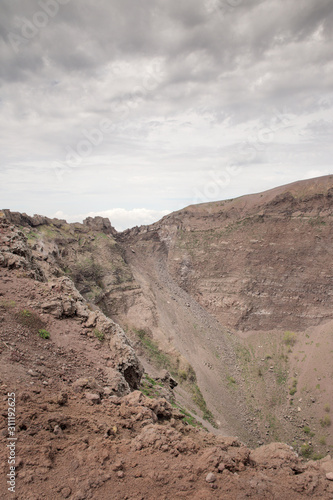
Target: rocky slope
x,y
83,429
237,276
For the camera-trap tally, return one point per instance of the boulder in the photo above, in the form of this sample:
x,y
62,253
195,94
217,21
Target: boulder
x,y
93,397
273,456
87,383
53,307
91,320
116,382
125,359
101,224
210,478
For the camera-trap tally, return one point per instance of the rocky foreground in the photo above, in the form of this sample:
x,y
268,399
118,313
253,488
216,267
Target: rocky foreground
x,y
83,428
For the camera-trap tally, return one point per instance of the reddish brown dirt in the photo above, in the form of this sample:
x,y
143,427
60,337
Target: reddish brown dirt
x,y
121,448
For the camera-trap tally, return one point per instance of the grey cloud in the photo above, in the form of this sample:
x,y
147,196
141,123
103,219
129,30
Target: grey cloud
x,y
183,84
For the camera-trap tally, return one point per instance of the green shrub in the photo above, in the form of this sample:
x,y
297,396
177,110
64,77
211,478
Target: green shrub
x,y
289,338
325,421
7,304
99,335
199,400
306,429
182,375
231,380
327,408
293,388
191,374
306,450
155,354
141,333
44,334
322,441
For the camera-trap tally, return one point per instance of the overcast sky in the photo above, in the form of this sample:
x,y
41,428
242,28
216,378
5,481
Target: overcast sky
x,y
135,108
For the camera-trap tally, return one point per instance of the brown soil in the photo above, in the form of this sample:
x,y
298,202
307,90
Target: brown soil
x,y
129,447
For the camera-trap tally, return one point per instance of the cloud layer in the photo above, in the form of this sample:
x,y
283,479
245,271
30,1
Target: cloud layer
x,y
141,105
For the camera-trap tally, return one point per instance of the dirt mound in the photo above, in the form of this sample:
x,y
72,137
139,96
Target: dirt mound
x,y
76,439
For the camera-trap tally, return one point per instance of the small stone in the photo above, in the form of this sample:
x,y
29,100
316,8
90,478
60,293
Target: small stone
x,y
210,478
58,432
93,398
66,492
329,476
62,398
120,474
118,466
32,373
221,467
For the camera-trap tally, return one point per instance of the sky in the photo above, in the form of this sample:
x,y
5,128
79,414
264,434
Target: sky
x,y
131,109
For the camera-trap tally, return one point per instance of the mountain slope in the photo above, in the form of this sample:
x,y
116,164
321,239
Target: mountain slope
x,y
209,293
226,281
82,429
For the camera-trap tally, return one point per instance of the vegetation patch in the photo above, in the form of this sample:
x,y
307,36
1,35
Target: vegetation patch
x,y
150,387
243,353
307,430
154,353
325,421
306,450
187,375
289,338
188,418
99,335
199,400
281,375
7,304
44,334
293,387
30,320
87,269
231,381
32,236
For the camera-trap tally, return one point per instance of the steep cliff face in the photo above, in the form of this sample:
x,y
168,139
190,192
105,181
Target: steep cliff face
x,y
227,280
258,262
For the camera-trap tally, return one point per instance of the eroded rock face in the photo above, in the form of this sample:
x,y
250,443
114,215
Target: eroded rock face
x,y
253,262
125,359
14,251
100,224
66,301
